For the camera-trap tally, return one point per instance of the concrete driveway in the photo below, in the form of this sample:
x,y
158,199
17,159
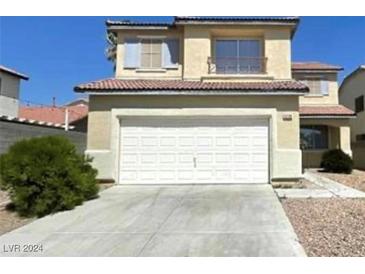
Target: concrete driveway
x,y
191,220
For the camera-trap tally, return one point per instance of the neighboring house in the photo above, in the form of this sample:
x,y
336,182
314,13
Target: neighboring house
x,y
352,95
77,114
211,100
9,91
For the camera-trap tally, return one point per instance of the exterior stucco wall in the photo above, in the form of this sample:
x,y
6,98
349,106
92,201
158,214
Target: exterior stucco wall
x,y
353,88
104,122
9,106
278,53
330,99
197,45
9,95
359,155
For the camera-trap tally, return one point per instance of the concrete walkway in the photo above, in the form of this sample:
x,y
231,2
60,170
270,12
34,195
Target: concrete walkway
x,y
328,188
209,220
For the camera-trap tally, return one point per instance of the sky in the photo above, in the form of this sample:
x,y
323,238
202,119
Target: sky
x,y
58,53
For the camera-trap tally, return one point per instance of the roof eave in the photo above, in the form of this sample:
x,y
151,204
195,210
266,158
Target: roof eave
x,y
317,116
131,27
317,70
191,92
19,75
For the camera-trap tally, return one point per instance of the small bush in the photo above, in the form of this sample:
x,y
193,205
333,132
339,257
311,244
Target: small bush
x,y
337,161
45,175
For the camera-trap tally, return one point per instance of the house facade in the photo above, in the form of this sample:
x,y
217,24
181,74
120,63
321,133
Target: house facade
x,y
352,94
211,100
9,91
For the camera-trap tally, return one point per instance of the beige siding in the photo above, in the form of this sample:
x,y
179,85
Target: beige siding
x,y
100,113
353,88
278,53
197,45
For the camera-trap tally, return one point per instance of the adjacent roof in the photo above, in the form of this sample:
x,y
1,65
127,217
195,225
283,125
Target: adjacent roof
x,y
13,72
32,122
176,86
297,66
331,110
54,115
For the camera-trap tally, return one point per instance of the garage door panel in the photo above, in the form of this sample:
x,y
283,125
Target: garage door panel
x,y
205,150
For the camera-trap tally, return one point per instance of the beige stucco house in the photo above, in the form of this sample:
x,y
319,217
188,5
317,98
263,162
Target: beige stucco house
x,y
352,94
212,100
9,91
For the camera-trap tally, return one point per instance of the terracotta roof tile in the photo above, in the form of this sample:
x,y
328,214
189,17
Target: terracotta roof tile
x,y
13,72
333,110
182,85
54,115
314,66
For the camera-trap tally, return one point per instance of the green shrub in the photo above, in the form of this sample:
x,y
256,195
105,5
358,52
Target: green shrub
x,y
337,161
45,175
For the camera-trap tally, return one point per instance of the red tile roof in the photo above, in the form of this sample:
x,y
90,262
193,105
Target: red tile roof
x,y
14,73
333,110
314,66
110,85
54,115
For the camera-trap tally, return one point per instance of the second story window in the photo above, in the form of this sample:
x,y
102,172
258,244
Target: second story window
x,y
317,86
238,56
151,53
359,104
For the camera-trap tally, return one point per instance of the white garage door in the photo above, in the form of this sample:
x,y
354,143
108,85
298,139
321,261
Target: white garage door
x,y
193,150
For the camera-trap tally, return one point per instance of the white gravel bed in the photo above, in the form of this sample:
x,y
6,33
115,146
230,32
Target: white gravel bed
x,y
328,227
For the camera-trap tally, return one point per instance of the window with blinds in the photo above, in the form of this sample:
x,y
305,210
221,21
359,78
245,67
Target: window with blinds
x,y
317,86
151,53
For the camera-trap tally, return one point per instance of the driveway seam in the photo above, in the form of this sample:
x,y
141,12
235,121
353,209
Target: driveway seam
x,y
163,222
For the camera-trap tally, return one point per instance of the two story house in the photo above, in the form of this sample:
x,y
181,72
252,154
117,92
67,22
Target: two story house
x,y
211,100
352,95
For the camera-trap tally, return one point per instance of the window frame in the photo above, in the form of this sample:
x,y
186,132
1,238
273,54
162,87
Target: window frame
x,y
260,41
313,146
319,79
163,40
360,104
151,53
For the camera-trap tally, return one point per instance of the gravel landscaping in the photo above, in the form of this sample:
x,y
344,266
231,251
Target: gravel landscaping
x,y
355,180
9,220
328,227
